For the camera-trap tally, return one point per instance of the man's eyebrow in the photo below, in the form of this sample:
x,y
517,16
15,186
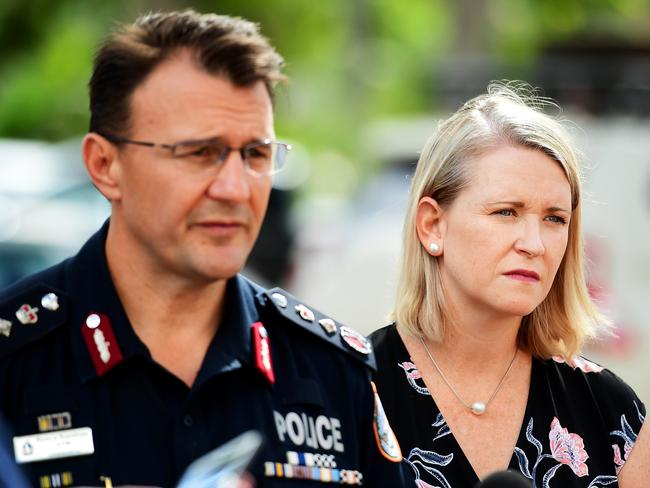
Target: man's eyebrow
x,y
220,140
200,141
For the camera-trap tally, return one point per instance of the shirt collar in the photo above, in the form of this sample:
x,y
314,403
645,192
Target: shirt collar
x,y
231,347
91,290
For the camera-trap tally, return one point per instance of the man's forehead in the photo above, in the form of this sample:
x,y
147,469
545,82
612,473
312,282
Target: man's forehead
x,y
180,73
179,91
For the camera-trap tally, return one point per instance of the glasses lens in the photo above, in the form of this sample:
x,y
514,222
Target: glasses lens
x,y
281,155
262,158
265,157
206,150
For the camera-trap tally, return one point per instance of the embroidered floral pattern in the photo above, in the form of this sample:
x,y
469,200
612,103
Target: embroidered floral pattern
x,y
568,448
538,463
580,363
429,460
422,460
629,438
619,460
412,373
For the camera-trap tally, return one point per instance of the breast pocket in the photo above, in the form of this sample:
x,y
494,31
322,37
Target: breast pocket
x,y
311,439
53,440
45,409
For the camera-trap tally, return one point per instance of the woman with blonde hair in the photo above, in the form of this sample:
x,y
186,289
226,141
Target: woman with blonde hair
x,y
481,369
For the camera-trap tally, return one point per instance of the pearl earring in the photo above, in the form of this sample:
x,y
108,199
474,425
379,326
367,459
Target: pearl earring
x,y
434,247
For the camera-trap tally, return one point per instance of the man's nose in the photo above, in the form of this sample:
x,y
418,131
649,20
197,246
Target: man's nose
x,y
232,182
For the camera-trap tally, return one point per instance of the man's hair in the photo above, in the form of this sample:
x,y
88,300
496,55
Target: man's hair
x,y
224,46
508,114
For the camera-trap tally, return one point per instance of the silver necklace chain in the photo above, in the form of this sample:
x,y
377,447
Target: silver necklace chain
x,y
477,408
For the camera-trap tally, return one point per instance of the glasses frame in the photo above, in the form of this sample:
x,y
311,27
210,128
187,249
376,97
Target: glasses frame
x,y
173,148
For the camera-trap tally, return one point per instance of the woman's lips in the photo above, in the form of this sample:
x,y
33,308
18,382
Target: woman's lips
x,y
523,275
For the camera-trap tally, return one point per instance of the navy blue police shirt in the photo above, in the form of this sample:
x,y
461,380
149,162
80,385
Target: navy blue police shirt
x,y
10,475
89,406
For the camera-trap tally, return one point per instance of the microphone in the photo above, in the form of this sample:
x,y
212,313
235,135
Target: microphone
x,y
224,466
505,479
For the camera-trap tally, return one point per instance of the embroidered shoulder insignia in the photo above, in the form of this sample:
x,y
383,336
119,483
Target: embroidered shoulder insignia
x,y
386,440
29,315
319,324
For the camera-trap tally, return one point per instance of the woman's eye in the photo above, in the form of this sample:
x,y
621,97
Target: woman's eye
x,y
506,212
556,219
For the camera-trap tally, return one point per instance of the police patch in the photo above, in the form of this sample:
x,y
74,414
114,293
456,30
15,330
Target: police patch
x,y
386,440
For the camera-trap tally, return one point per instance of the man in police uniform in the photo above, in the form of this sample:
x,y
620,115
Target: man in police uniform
x,y
146,350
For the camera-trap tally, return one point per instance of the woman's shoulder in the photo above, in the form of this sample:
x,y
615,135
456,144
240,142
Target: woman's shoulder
x,y
388,346
594,404
393,359
583,370
384,336
582,378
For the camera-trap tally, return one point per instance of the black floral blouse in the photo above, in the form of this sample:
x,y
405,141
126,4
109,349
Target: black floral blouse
x,y
580,424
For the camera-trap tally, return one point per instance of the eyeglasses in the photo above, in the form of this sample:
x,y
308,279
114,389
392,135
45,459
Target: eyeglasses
x,y
261,158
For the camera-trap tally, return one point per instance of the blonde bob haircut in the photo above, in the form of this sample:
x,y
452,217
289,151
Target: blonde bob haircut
x,y
508,114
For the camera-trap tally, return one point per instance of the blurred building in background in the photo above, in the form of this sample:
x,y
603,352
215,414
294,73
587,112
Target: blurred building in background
x,y
47,205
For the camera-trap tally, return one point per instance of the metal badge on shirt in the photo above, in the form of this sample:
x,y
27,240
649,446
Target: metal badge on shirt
x,y
27,315
5,327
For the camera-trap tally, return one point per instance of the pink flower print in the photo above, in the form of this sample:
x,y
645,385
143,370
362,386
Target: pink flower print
x,y
411,370
581,363
412,376
619,460
568,448
423,484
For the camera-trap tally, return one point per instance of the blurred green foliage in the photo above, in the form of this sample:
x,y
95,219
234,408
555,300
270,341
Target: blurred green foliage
x,y
350,61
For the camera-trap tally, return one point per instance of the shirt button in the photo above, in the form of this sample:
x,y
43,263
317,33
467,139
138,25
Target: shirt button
x,y
188,421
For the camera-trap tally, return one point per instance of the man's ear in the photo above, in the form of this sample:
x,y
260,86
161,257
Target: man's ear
x,y
429,225
102,163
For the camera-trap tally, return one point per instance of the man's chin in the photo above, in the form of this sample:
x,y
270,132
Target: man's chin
x,y
215,269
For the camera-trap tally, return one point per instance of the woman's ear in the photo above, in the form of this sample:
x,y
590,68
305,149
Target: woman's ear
x,y
428,225
102,163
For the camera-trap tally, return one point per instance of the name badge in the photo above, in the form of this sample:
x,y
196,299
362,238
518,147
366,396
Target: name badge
x,y
54,445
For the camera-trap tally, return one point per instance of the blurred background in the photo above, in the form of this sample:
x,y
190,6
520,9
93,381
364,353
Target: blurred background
x,y
369,81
